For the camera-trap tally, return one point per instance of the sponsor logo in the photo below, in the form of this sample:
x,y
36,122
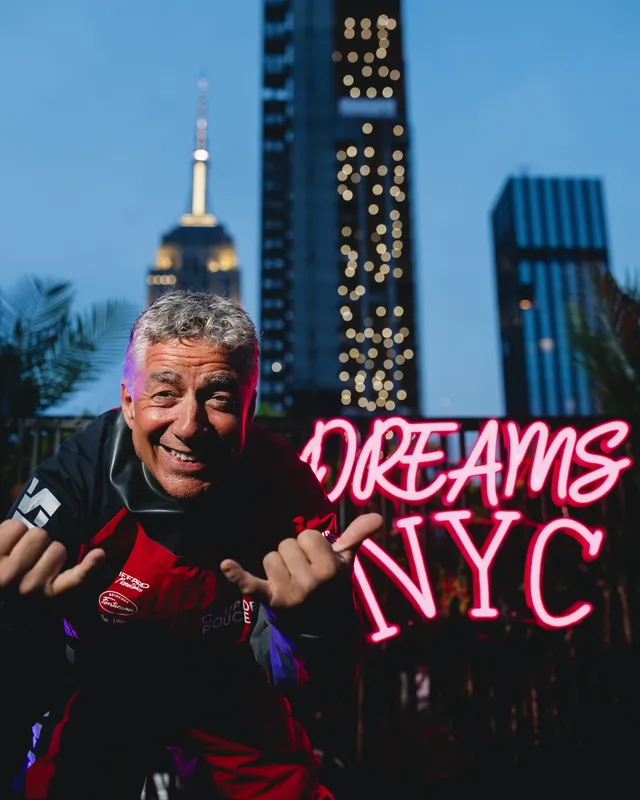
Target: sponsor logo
x,y
44,501
129,582
240,611
115,603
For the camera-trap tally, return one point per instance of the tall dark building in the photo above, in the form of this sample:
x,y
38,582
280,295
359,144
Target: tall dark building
x,y
338,316
198,254
547,232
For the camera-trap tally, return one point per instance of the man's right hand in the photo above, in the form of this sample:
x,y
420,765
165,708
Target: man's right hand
x,y
30,562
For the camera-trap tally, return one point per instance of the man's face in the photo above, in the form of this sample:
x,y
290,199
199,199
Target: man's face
x,y
188,415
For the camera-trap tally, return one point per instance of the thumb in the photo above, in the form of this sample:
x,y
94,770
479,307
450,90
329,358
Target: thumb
x,y
248,584
360,529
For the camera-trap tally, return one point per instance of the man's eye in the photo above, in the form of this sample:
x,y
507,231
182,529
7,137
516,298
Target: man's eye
x,y
163,395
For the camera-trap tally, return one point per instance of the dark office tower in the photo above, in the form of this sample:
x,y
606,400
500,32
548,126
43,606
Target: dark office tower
x,y
547,232
338,318
198,254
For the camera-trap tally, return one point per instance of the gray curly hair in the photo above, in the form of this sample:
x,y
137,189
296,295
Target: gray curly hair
x,y
194,315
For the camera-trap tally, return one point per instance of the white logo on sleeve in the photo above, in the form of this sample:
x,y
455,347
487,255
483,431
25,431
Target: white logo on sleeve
x,y
45,501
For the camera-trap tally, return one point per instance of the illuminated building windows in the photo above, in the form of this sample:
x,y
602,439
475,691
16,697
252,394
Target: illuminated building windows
x,y
373,208
337,56
381,228
397,155
353,57
346,231
368,265
397,273
386,332
398,311
342,290
382,170
387,91
366,71
381,52
355,92
367,127
343,357
344,376
401,394
348,80
377,189
347,195
369,57
398,130
353,151
369,152
341,155
371,92
381,311
383,71
395,214
391,24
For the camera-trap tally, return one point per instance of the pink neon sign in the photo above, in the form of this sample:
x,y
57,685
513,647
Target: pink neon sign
x,y
578,467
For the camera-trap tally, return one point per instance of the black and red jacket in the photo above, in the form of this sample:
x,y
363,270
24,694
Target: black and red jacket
x,y
160,597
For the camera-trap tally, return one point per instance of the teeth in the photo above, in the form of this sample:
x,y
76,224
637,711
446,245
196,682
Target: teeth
x,y
181,456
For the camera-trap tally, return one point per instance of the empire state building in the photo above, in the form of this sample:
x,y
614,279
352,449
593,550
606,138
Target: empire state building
x,y
198,254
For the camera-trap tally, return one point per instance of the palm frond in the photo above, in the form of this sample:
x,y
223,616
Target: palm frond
x,y
46,352
607,343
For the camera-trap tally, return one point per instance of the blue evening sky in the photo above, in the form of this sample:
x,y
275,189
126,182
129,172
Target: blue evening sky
x,y
97,122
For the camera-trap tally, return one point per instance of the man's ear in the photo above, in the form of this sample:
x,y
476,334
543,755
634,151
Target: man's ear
x,y
126,401
252,407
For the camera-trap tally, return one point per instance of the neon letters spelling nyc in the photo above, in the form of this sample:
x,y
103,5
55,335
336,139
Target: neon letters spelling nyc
x,y
534,454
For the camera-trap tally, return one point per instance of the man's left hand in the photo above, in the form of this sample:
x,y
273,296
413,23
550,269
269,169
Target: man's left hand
x,y
300,566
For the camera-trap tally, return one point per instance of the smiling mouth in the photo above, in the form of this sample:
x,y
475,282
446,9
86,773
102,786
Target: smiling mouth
x,y
187,458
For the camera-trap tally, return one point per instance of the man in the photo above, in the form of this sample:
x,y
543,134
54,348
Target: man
x,y
194,561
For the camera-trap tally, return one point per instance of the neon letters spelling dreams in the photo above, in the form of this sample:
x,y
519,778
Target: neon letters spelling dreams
x,y
365,470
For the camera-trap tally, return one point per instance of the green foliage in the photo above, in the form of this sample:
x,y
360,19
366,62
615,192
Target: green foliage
x,y
266,410
46,351
608,346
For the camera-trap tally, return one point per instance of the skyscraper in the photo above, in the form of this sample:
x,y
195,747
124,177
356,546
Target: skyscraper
x,y
337,279
547,232
198,254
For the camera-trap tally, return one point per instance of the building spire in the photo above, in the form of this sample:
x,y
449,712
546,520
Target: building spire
x,y
198,215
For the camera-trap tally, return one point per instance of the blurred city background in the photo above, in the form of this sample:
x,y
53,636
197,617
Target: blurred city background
x,y
430,211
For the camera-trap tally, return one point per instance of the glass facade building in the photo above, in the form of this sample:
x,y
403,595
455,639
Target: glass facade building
x,y
337,271
547,233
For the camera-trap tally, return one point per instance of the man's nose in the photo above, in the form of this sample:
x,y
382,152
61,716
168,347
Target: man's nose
x,y
191,420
